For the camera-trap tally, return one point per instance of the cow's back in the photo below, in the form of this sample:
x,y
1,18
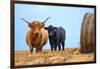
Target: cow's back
x,y
60,33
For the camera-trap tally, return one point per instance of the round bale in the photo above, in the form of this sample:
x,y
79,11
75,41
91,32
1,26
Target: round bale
x,y
88,34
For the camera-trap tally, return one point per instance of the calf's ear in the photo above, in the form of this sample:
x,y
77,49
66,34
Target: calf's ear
x,y
46,28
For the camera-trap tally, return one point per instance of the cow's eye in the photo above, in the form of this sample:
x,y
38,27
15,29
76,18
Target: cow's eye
x,y
41,26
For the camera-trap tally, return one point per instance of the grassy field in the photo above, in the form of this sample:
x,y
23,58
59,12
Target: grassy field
x,y
49,57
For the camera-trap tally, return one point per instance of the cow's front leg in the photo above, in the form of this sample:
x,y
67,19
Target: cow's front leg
x,y
38,50
31,48
51,46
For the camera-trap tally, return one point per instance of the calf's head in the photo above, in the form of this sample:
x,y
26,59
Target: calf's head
x,y
51,30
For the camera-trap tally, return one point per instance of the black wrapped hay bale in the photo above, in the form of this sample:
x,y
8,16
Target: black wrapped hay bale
x,y
88,34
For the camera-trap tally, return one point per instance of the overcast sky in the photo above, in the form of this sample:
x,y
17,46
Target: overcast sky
x,y
70,18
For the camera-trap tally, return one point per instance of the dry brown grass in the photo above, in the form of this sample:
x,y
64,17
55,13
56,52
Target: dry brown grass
x,y
49,57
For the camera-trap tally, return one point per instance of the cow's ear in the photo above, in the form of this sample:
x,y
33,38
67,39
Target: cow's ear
x,y
30,25
46,28
43,24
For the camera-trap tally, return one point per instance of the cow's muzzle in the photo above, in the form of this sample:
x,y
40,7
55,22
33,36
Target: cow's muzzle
x,y
36,34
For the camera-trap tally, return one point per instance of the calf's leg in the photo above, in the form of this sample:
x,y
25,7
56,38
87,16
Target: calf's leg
x,y
51,46
55,47
63,45
59,46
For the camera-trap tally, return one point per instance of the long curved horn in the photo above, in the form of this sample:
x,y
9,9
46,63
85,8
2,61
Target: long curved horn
x,y
46,20
25,21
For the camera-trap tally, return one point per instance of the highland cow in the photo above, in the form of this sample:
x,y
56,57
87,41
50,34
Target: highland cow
x,y
37,36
